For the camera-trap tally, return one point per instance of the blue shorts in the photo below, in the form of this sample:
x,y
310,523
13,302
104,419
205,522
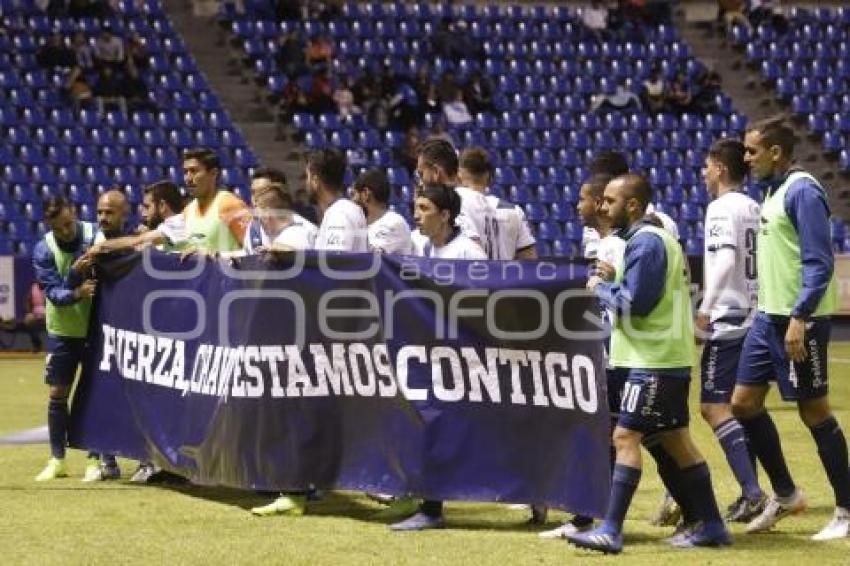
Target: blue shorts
x,y
764,358
655,400
719,368
64,357
616,378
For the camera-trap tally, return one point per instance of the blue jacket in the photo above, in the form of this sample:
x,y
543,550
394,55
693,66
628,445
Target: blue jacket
x,y
57,289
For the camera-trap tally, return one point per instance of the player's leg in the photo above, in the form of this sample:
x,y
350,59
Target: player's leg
x,y
719,366
816,414
429,516
636,417
710,529
60,371
762,358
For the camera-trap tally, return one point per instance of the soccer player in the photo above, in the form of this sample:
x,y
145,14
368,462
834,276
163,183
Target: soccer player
x,y
388,230
610,249
509,234
275,226
437,163
216,220
436,209
789,336
653,337
343,225
60,272
729,298
162,205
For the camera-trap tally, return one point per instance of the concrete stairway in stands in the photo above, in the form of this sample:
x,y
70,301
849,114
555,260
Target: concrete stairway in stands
x,y
244,100
756,99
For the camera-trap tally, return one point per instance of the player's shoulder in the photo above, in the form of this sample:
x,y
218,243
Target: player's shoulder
x,y
230,199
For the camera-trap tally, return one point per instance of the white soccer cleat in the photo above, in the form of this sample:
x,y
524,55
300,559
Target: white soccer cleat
x,y
565,530
776,510
838,527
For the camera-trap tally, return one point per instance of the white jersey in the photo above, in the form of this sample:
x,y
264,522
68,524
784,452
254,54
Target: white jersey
x,y
666,222
459,247
476,216
173,229
343,228
509,231
390,234
589,242
300,234
732,221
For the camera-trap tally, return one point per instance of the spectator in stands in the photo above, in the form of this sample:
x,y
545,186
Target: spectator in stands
x,y
54,53
595,18
109,89
478,93
135,90
344,98
136,52
319,52
765,10
290,54
679,96
706,90
82,51
89,9
431,102
622,99
732,12
320,97
447,87
654,90
109,50
406,154
452,41
403,107
455,111
77,88
293,100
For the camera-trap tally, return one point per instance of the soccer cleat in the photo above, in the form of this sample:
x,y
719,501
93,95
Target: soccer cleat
x,y
55,468
143,473
667,514
775,510
399,507
683,530
838,527
418,522
291,505
744,510
598,540
93,472
704,535
565,530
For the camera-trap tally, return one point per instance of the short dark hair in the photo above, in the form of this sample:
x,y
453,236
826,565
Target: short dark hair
x,y
329,166
638,187
205,156
444,197
55,205
597,183
439,152
730,153
376,181
168,192
610,163
774,131
271,173
476,160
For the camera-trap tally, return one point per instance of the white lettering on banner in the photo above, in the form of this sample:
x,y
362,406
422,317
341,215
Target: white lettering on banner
x,y
445,373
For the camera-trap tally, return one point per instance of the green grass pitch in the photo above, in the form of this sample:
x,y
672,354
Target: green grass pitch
x,y
68,522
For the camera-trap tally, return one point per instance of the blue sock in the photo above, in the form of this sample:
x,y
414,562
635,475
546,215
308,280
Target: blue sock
x,y
697,480
734,443
57,426
764,441
832,449
671,477
623,488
